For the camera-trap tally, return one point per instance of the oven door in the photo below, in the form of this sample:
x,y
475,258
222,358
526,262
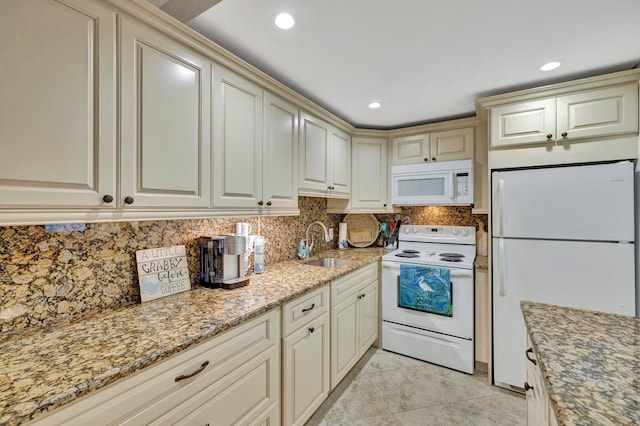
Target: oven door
x,y
458,325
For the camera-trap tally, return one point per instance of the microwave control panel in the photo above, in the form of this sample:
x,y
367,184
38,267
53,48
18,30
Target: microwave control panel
x,y
462,184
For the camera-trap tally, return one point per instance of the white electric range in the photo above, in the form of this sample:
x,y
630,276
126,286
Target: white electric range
x,y
428,295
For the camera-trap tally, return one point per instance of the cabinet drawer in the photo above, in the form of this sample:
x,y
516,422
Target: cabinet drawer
x,y
303,309
240,398
153,391
344,287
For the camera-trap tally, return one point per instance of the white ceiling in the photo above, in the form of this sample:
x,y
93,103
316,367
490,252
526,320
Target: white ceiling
x,y
424,60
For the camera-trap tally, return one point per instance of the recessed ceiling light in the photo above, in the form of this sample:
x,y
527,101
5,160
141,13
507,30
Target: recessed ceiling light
x,y
284,21
549,66
374,105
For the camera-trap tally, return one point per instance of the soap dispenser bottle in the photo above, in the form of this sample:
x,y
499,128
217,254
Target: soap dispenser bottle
x,y
302,250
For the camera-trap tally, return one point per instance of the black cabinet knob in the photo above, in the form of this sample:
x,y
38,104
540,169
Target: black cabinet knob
x,y
384,205
269,202
107,198
434,159
549,136
426,159
565,134
128,200
311,329
260,202
527,386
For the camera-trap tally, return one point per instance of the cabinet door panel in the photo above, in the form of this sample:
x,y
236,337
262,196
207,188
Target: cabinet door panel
x,y
341,163
165,123
57,103
314,142
410,149
280,153
368,316
452,145
237,145
602,112
369,189
344,334
305,367
523,123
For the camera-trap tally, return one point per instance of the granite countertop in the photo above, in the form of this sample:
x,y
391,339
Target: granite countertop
x,y
45,368
590,362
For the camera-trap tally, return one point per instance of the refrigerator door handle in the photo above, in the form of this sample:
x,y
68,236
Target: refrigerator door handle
x,y
501,208
501,263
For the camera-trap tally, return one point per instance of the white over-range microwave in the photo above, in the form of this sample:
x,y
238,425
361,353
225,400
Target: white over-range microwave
x,y
446,183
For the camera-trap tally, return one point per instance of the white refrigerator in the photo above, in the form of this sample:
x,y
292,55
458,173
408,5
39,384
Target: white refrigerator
x,y
560,235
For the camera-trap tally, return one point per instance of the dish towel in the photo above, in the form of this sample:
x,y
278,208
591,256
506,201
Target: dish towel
x,y
425,288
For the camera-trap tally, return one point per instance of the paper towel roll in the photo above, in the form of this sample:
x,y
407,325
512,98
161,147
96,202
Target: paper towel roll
x,y
342,235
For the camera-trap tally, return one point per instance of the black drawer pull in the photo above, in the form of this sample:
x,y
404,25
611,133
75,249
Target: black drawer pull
x,y
313,305
311,329
530,351
527,387
198,371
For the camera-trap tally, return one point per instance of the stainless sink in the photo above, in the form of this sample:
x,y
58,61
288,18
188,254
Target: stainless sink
x,y
329,262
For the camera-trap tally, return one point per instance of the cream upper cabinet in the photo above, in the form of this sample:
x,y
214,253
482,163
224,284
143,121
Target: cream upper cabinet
x,y
369,174
445,145
340,163
604,112
237,140
165,109
58,104
454,144
280,154
410,149
354,319
325,159
523,123
585,114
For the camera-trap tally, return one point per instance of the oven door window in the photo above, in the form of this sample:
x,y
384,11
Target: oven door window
x,y
426,289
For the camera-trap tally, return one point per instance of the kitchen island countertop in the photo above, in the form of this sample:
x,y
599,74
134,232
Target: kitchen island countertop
x,y
590,362
47,367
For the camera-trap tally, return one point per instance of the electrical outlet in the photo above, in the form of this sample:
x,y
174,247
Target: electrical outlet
x,y
331,233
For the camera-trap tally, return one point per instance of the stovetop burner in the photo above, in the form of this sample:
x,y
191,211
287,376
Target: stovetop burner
x,y
452,255
410,251
408,255
450,259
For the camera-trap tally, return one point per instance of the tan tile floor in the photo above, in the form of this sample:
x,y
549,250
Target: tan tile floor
x,y
390,389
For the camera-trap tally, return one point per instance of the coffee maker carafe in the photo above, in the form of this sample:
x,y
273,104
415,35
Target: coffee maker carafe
x,y
222,261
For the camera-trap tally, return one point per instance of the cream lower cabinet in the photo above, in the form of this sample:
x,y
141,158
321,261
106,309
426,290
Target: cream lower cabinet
x,y
539,411
305,356
232,379
354,319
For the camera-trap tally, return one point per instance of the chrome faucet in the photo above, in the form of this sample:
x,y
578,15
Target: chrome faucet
x,y
309,246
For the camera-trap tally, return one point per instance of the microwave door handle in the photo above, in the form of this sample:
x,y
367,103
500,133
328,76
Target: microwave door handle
x,y
452,185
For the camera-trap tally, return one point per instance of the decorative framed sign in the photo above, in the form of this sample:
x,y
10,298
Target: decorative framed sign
x,y
162,272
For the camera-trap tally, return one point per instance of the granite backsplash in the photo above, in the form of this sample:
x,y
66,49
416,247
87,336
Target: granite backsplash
x,y
53,276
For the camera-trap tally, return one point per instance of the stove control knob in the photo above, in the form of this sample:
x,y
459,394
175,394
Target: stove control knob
x,y
455,231
465,232
407,230
415,230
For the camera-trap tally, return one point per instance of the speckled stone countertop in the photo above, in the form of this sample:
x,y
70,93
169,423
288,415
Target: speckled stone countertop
x,y
45,368
590,362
